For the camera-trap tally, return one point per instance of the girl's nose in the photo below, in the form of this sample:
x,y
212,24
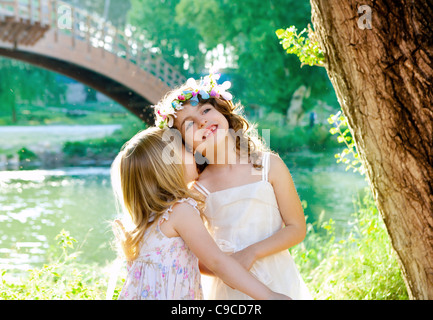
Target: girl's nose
x,y
203,122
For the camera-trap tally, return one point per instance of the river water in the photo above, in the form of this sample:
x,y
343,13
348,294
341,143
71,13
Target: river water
x,y
35,205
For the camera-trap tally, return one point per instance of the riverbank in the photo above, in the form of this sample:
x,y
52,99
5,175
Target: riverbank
x,y
38,134
53,146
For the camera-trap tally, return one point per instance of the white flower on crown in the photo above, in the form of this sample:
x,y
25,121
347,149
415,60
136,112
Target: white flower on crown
x,y
221,89
166,113
192,83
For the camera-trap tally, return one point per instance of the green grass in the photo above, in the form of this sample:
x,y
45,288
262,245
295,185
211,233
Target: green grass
x,y
62,278
360,265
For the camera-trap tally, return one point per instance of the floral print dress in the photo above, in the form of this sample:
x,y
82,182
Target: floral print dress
x,y
166,269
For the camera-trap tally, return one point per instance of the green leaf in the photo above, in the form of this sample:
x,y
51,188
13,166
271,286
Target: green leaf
x,y
280,32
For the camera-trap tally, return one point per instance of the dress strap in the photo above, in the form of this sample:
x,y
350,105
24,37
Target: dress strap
x,y
265,164
201,188
166,215
191,202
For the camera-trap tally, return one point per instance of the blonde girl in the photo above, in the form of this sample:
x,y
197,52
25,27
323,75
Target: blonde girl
x,y
166,234
252,208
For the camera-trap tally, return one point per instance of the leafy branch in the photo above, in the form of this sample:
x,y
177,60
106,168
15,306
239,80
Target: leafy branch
x,y
309,53
340,127
307,49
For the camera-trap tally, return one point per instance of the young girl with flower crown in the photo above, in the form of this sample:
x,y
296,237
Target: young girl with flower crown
x,y
252,208
166,234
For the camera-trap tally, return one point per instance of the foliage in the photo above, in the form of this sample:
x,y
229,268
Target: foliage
x,y
21,82
191,33
100,147
339,122
307,50
358,265
29,113
62,278
107,147
115,10
155,21
310,53
284,138
25,154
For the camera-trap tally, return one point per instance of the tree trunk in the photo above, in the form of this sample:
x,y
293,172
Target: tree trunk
x,y
382,73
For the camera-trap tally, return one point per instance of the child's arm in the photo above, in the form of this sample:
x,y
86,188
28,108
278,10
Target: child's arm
x,y
291,212
188,225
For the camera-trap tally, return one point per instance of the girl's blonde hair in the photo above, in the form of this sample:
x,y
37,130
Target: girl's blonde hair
x,y
234,113
146,184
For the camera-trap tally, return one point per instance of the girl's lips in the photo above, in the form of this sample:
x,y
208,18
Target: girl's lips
x,y
209,131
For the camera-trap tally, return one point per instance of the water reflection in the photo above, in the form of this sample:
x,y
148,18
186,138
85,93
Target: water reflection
x,y
37,204
325,185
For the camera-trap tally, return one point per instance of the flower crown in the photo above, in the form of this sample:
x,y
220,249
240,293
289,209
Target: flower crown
x,y
208,87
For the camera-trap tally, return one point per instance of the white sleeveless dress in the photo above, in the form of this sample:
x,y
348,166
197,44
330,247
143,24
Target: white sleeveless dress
x,y
240,216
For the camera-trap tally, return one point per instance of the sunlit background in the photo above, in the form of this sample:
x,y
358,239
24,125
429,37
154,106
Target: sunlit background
x,y
59,136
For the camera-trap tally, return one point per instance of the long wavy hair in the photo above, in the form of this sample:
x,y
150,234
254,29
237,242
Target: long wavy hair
x,y
246,133
146,184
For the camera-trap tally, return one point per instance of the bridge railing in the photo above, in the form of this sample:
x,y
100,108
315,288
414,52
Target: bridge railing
x,y
34,11
81,25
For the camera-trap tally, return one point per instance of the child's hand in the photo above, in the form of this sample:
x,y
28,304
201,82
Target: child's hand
x,y
245,257
279,296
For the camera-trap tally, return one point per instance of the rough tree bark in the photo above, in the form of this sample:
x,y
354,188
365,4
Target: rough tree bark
x,y
383,77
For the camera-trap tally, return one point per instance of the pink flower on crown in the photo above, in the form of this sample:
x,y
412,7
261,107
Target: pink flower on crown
x,y
214,93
